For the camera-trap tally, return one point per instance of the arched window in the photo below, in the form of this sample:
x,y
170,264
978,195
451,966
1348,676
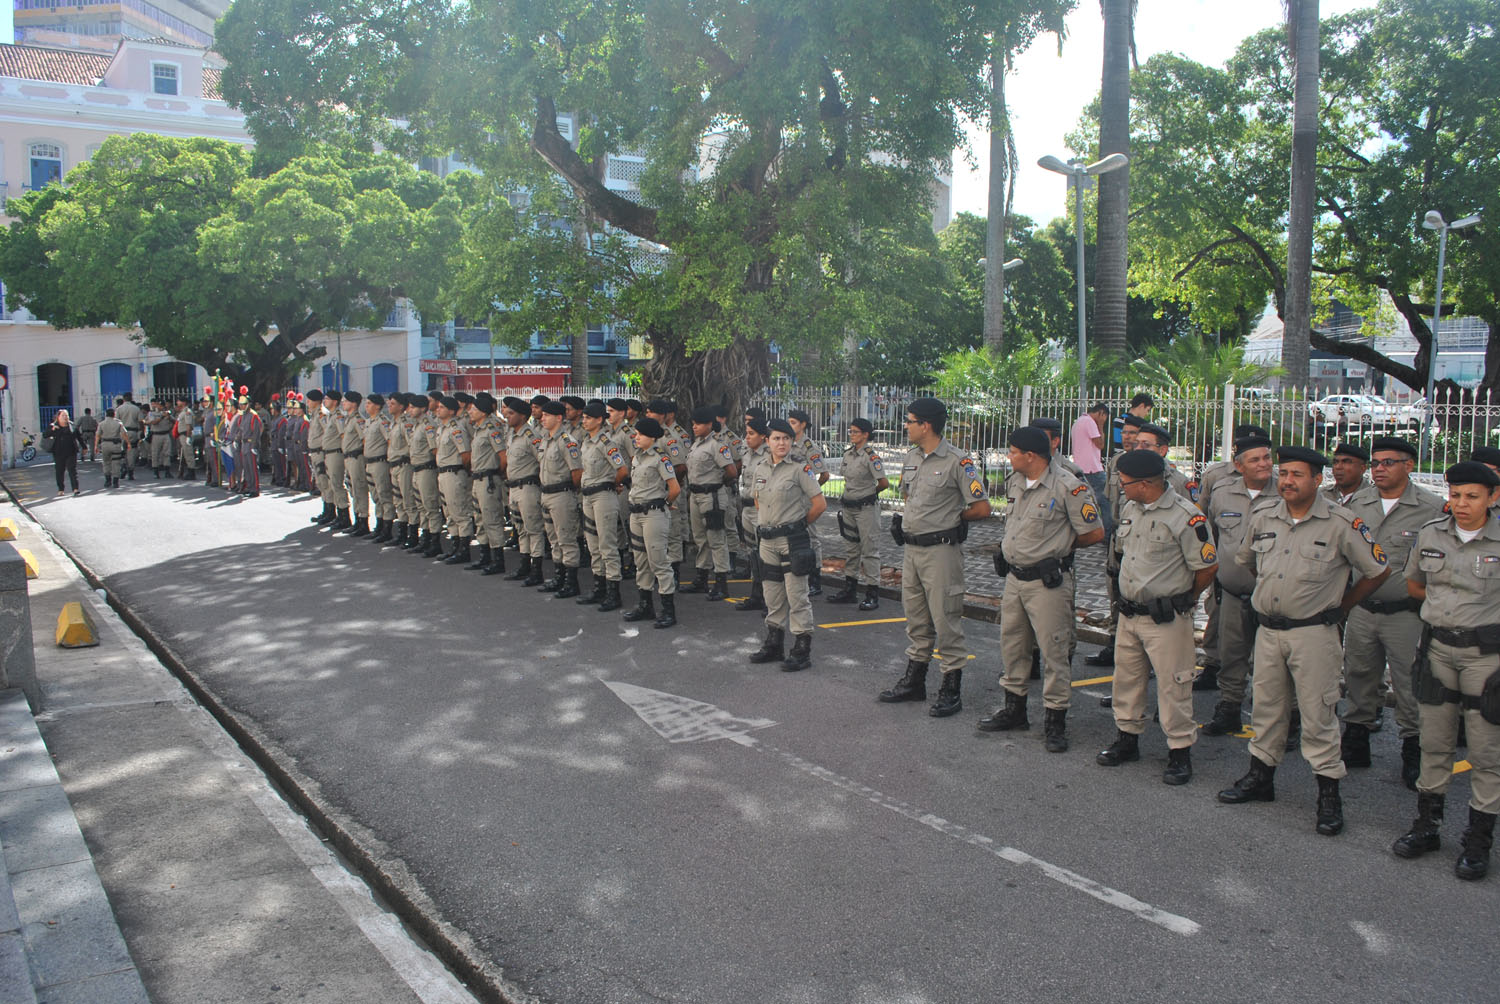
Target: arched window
x,y
46,164
342,382
385,378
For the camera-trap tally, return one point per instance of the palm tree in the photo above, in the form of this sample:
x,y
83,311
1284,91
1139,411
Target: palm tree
x,y
1194,362
1114,188
1302,36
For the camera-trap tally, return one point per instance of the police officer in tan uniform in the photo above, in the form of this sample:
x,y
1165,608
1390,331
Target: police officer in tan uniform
x,y
675,443
788,499
1229,510
333,461
129,414
109,443
943,492
710,464
1384,630
317,421
452,457
1049,514
859,517
1350,462
605,471
1130,428
1166,559
378,465
398,462
523,465
422,441
653,487
352,446
622,433
561,474
414,411
756,453
491,436
810,453
1454,570
1303,551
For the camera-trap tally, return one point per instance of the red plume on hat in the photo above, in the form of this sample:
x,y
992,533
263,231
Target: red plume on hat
x,y
244,389
276,397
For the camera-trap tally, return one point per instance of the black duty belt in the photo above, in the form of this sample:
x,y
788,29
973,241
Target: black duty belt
x,y
109,439
428,466
523,482
782,530
603,486
450,468
375,460
351,454
1482,637
1030,573
1391,606
558,487
648,506
1163,611
1276,622
398,461
487,474
861,501
704,489
933,539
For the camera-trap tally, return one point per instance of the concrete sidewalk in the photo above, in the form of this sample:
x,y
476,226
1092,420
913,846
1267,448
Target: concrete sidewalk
x,y
156,861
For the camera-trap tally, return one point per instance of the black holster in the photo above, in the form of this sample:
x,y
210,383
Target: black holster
x,y
714,518
1052,572
896,533
800,557
1002,567
1425,687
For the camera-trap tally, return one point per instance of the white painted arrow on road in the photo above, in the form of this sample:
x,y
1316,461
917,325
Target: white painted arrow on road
x,y
680,719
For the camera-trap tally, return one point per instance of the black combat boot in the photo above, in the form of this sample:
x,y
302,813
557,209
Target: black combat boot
x,y
1125,749
497,562
1208,679
595,597
1355,748
156,472
1423,835
420,547
611,597
699,583
800,656
815,582
677,574
1055,730
434,548
382,530
911,687
1179,766
668,611
1474,861
324,517
559,576
461,551
569,587
1010,715
848,594
872,598
772,648
395,535
534,576
720,589
949,700
360,527
1104,657
1330,807
627,564
1256,786
523,569
644,608
1226,720
341,521
1411,761
757,598
413,539
130,473
480,560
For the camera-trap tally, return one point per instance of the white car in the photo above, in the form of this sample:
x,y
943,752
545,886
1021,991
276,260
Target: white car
x,y
1352,409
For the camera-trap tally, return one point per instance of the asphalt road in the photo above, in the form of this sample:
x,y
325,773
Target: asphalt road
x,y
802,844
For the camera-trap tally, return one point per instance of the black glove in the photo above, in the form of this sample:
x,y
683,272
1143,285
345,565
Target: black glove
x,y
896,534
1002,567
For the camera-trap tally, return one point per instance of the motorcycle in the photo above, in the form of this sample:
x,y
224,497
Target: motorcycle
x,y
28,445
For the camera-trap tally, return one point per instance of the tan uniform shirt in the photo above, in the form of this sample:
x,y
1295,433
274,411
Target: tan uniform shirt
x,y
352,435
129,415
650,471
1396,532
863,470
784,491
937,487
737,447
1332,493
398,447
523,455
1214,476
377,436
333,432
484,458
1302,570
315,423
753,460
420,440
674,444
1229,512
602,459
707,459
561,456
806,451
1161,546
1462,579
1043,520
623,438
452,444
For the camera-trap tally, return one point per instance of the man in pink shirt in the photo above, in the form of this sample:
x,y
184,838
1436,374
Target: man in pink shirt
x,y
1087,437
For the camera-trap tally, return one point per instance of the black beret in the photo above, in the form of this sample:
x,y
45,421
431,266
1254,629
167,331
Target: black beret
x,y
1142,464
352,395
1486,455
1246,443
595,409
435,395
863,425
649,427
516,404
451,403
334,395
1392,443
928,409
416,400
462,397
1312,458
758,426
1047,424
1350,450
1134,421
703,415
632,404
315,395
800,416
780,425
485,402
755,412
661,406
376,399
540,399
572,401
1472,472
554,408
1241,431
617,403
720,410
1161,435
1031,440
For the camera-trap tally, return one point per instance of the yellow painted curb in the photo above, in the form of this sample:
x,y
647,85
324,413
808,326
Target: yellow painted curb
x,y
30,560
75,629
7,529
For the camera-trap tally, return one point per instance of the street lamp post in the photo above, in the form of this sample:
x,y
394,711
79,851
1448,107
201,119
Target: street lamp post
x,y
1434,221
1080,177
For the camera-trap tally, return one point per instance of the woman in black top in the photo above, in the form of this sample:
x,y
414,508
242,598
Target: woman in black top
x,y
65,445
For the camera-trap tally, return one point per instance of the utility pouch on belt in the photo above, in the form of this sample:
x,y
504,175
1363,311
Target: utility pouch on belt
x,y
1161,610
1052,572
1489,638
896,534
1489,699
848,531
714,518
1002,567
1424,686
800,557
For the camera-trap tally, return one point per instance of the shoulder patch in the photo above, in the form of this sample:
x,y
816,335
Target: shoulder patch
x,y
1207,553
1089,513
1080,489
806,468
1197,520
1364,530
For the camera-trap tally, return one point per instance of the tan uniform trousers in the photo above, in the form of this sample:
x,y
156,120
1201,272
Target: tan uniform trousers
x,y
113,456
862,554
527,514
560,517
932,595
1033,616
491,521
713,545
334,493
429,500
1298,665
161,449
378,475
359,487
678,521
648,540
132,449
1464,670
1236,646
1371,643
787,604
458,503
403,495
1142,645
319,471
601,526
1211,630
